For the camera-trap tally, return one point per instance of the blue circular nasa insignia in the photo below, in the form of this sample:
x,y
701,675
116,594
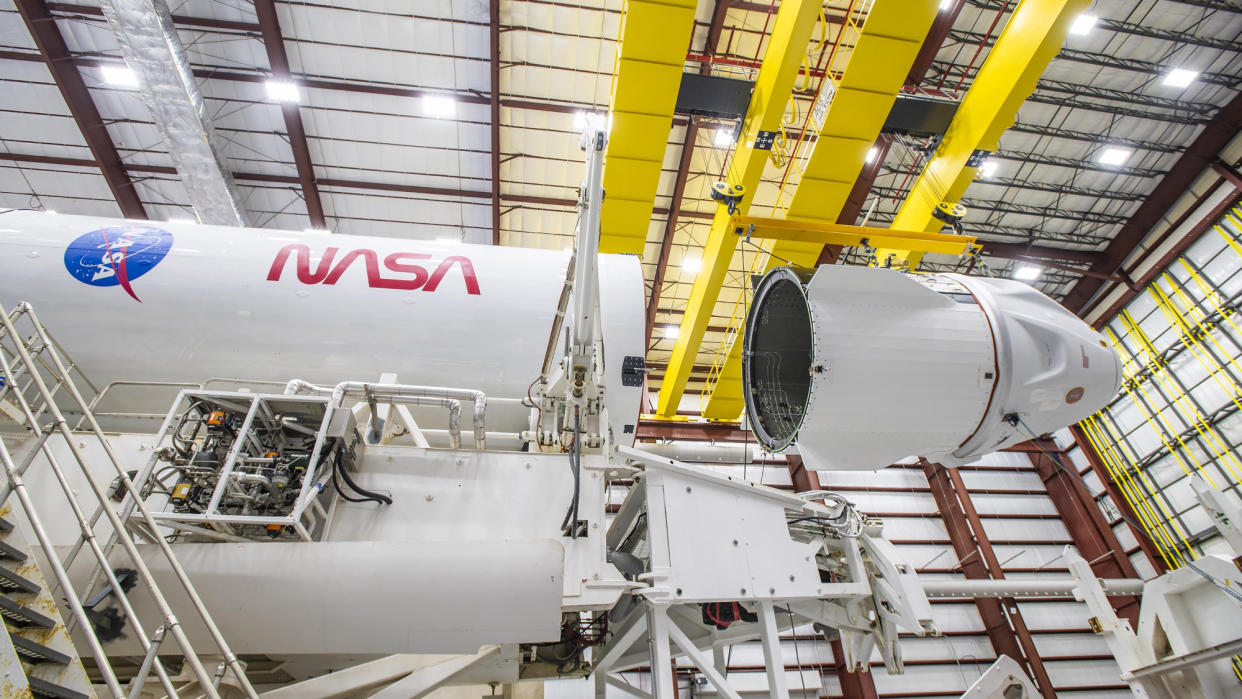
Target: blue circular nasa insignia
x,y
117,255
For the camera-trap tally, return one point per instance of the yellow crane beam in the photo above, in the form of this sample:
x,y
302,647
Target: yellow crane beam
x,y
787,45
819,233
857,105
1031,38
651,55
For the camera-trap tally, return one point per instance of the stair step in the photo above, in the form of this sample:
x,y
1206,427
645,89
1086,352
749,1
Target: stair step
x,y
23,617
10,552
43,688
32,652
12,582
5,525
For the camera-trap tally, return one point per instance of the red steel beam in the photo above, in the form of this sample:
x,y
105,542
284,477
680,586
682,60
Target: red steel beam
x,y
1119,500
493,31
1002,619
55,55
274,42
692,431
670,224
714,30
931,46
1192,235
1215,135
1093,537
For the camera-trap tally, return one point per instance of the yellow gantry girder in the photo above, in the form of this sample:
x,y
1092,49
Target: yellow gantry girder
x,y
857,105
1031,38
791,34
651,55
816,232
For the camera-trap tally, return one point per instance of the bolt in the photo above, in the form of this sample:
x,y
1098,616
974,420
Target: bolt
x,y
429,497
791,578
743,590
735,542
771,590
687,489
679,592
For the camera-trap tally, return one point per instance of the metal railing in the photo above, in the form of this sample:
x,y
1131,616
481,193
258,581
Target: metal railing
x,y
36,374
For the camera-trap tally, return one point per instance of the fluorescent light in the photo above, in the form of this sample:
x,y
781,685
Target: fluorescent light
x,y
1180,77
987,168
945,4
580,120
671,331
723,138
282,91
691,265
439,107
871,153
1083,24
1028,272
119,76
1113,155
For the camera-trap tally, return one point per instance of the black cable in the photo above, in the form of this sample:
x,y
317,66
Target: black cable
x,y
570,523
367,494
341,492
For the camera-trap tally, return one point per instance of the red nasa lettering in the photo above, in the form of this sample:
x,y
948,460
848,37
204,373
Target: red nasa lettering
x,y
400,262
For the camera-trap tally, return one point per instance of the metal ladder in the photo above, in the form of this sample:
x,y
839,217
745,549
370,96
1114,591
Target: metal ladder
x,y
36,379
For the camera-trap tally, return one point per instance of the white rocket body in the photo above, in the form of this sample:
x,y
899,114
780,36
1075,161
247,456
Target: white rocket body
x,y
161,301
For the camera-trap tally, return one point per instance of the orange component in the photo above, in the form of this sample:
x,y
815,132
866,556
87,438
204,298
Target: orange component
x,y
215,417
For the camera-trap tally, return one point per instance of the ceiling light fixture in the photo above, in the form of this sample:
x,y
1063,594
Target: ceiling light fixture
x,y
671,332
282,91
1113,155
691,265
723,138
1180,77
1083,24
1028,272
119,76
987,168
945,4
439,107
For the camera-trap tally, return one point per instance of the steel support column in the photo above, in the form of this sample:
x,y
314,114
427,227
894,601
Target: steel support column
x,y
274,42
1002,620
493,31
59,61
670,224
1092,536
1119,500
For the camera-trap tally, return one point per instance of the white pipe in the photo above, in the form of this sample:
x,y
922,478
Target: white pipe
x,y
406,393
1024,588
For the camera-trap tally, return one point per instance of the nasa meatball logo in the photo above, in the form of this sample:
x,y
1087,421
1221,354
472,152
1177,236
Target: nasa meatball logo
x,y
117,255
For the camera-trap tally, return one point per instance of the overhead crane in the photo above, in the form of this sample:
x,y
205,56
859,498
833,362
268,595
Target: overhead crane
x,y
856,104
1027,44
